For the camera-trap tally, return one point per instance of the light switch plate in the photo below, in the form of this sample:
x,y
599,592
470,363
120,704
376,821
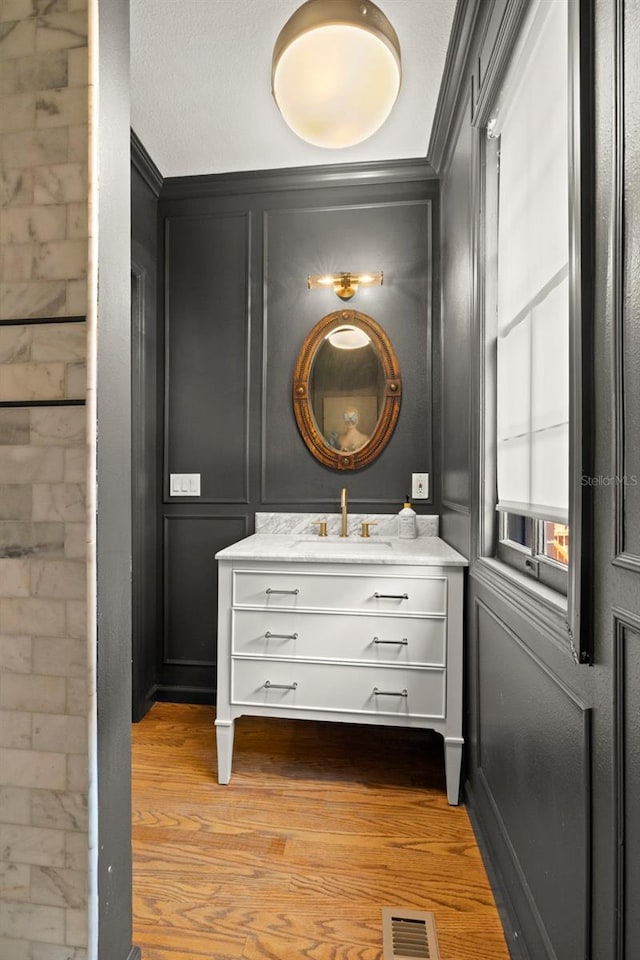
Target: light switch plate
x,y
184,485
420,486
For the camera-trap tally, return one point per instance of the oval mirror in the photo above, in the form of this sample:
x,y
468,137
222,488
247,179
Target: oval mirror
x,y
346,390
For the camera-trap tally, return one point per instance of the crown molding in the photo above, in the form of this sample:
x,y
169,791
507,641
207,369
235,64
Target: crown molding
x,y
297,178
145,166
455,69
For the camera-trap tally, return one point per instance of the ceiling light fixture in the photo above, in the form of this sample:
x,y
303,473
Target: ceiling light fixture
x,y
344,285
336,71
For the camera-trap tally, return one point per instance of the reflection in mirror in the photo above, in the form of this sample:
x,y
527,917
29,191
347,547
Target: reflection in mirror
x,y
346,390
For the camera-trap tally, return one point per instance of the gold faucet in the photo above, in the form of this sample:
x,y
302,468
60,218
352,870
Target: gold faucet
x,y
344,501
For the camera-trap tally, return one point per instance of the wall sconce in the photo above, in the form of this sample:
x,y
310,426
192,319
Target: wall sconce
x,y
336,71
345,285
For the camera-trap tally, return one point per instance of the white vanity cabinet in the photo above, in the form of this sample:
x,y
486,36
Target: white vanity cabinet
x,y
356,642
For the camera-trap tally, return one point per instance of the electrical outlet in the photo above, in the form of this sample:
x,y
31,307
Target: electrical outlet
x,y
420,486
184,485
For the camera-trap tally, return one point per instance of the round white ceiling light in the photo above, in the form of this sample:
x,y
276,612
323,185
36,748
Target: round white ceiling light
x,y
336,71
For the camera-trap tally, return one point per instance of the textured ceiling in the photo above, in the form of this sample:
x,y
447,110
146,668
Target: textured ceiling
x,y
201,85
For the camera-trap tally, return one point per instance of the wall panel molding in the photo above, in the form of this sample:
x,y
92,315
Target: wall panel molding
x,y
539,663
456,507
479,810
581,732
146,440
525,599
378,216
626,778
190,573
523,745
456,402
318,236
219,399
520,890
625,324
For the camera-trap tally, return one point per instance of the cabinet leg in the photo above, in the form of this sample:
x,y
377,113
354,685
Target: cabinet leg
x,y
452,766
224,743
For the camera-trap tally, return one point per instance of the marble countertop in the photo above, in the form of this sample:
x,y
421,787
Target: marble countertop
x,y
378,548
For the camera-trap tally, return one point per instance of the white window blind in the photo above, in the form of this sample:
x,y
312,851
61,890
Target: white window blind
x,y
533,285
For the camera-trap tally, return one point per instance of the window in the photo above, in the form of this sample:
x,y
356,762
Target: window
x,y
528,249
539,548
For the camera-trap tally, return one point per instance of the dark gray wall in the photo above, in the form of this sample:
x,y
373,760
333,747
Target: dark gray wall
x,y
237,252
146,429
457,277
114,480
552,757
621,613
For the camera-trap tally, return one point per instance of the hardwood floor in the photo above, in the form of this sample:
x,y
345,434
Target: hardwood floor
x,y
321,826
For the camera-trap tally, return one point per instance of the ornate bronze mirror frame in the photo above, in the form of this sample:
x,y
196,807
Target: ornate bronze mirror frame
x,y
347,372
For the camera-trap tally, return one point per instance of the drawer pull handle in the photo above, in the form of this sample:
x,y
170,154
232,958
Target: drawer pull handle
x,y
390,693
404,642
391,596
280,686
280,636
293,592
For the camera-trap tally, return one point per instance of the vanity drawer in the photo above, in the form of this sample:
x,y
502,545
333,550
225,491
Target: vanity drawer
x,y
378,691
352,591
317,636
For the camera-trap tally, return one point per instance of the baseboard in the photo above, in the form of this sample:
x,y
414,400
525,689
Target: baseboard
x,y
142,705
512,932
176,693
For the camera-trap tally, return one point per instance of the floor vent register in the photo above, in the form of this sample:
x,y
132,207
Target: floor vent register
x,y
409,935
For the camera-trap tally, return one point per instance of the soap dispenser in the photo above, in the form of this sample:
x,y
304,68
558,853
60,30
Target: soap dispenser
x,y
407,526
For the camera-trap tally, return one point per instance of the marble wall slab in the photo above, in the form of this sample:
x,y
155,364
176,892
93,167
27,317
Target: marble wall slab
x,y
24,224
16,654
15,881
33,921
23,464
14,423
36,73
32,381
44,139
36,770
15,729
43,158
42,362
15,501
25,539
43,298
61,811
